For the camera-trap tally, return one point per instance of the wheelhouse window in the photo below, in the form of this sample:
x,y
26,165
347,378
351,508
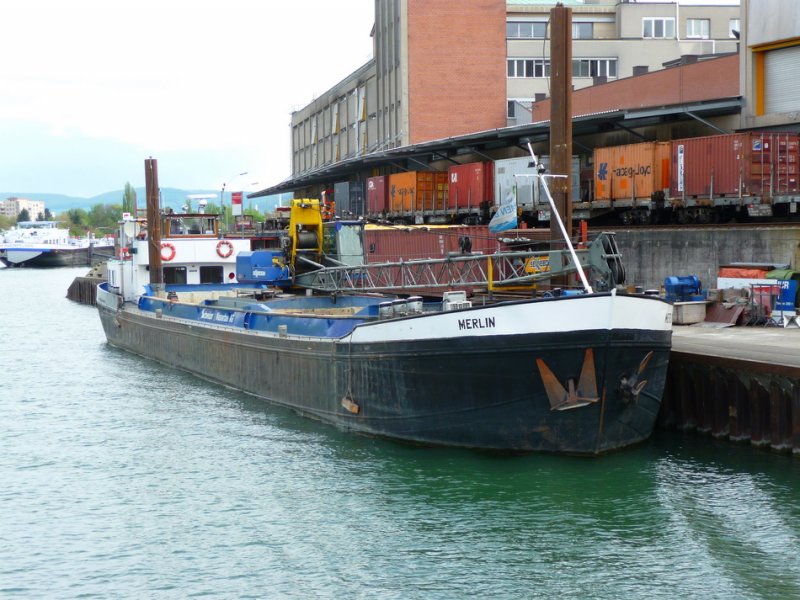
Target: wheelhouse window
x,y
594,67
526,30
698,28
658,27
176,275
528,67
211,274
582,31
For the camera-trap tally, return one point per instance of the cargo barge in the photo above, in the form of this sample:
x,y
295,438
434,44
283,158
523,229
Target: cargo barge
x,y
579,372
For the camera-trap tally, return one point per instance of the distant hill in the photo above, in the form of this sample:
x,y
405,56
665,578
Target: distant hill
x,y
170,198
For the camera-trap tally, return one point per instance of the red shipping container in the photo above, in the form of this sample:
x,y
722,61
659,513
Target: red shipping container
x,y
470,184
750,164
377,194
390,243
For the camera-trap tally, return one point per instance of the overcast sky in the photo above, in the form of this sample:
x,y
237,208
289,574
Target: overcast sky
x,y
91,88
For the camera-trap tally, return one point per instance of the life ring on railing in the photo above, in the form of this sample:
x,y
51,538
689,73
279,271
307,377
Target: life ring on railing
x,y
124,253
167,251
224,248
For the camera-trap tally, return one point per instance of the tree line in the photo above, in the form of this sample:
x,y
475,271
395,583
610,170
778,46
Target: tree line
x,y
103,219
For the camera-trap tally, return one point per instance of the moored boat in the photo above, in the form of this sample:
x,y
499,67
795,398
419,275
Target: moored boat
x,y
576,372
43,244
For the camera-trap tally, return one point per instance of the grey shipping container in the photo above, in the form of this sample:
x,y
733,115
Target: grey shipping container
x,y
514,176
349,199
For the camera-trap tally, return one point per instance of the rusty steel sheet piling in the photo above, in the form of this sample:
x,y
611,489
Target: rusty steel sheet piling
x,y
741,401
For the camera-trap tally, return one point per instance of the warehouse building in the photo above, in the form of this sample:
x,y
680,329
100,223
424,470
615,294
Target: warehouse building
x,y
417,107
443,69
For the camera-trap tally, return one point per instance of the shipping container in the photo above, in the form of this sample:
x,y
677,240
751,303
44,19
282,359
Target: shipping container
x,y
632,172
736,164
377,194
470,185
384,244
349,199
514,176
417,191
393,243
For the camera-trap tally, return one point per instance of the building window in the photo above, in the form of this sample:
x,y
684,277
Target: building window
x,y
582,31
528,67
526,30
658,27
510,112
594,67
734,28
581,67
697,28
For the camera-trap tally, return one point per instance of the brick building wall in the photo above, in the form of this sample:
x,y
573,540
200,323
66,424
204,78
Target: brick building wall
x,y
704,80
456,67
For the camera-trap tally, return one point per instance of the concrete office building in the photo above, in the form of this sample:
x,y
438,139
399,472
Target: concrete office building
x,y
11,207
610,40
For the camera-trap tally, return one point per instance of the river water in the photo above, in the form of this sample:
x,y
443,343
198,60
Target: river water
x,y
120,478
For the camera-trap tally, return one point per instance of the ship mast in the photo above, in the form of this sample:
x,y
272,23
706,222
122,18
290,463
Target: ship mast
x,y
153,225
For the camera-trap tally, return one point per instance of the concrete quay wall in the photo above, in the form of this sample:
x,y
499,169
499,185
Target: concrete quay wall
x,y
651,255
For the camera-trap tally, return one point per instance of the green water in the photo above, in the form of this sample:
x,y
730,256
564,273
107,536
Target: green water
x,y
123,479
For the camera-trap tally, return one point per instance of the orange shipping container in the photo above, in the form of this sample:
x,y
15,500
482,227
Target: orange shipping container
x,y
631,171
417,191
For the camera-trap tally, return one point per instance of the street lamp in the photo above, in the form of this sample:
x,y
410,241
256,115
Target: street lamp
x,y
222,196
249,207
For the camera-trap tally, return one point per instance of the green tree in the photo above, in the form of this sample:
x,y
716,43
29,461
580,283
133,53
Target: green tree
x,y
129,200
253,214
5,222
48,216
104,216
213,209
76,216
23,215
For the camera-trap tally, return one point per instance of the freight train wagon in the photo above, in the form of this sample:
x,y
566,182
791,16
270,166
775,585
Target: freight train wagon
x,y
699,180
471,196
461,195
692,180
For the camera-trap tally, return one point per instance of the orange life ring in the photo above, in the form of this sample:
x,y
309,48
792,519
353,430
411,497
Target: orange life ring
x,y
124,253
170,251
224,248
